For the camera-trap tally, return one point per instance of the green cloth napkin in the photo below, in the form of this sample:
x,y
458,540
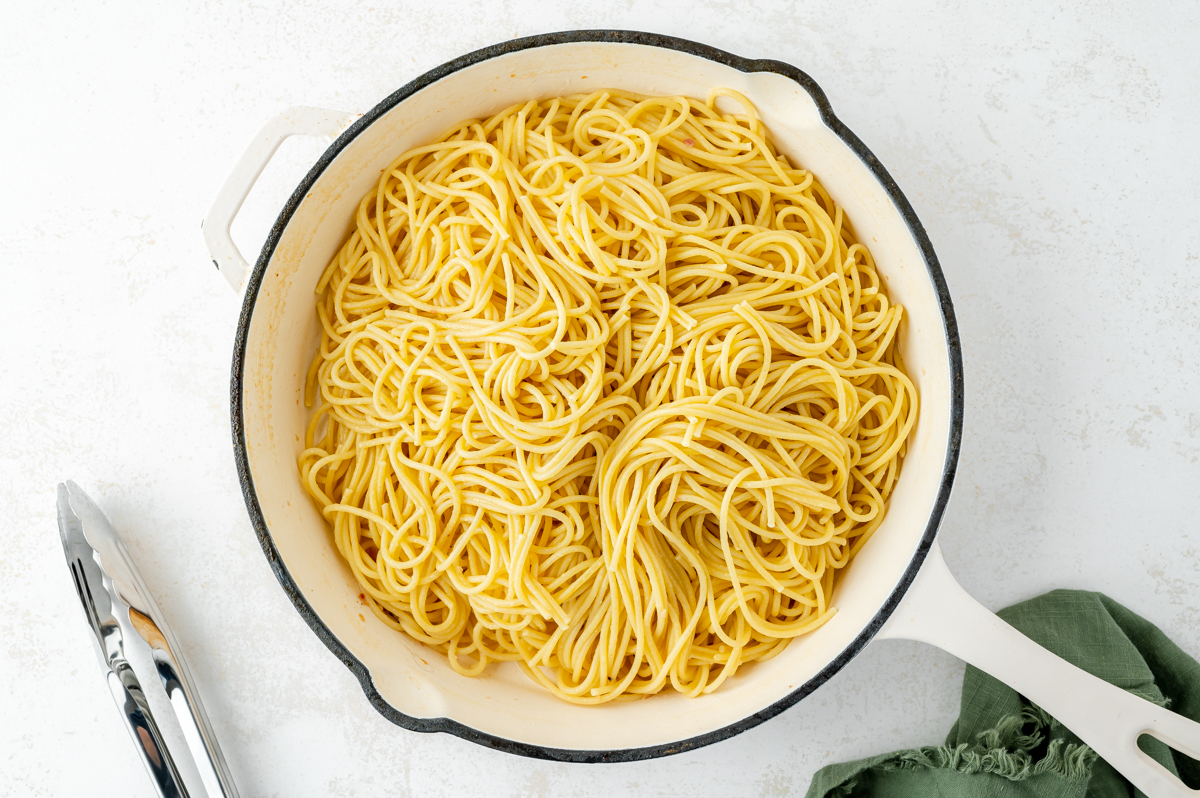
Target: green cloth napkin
x,y
1002,745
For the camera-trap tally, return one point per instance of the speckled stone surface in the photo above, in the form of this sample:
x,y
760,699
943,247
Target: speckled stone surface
x,y
1049,150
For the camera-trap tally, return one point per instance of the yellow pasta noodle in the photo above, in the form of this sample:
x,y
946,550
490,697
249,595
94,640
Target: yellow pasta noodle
x,y
608,388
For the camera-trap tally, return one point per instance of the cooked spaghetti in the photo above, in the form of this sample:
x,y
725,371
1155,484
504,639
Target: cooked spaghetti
x,y
608,388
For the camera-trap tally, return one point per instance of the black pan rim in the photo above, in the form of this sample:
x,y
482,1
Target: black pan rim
x,y
492,741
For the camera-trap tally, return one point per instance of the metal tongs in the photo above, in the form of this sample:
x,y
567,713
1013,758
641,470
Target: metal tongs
x,y
120,611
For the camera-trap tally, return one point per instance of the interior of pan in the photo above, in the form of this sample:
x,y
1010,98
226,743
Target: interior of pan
x,y
413,685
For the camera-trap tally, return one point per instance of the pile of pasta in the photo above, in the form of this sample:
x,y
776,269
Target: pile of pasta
x,y
607,387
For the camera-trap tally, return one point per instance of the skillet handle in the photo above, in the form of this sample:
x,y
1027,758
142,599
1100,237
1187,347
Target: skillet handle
x,y
936,610
296,121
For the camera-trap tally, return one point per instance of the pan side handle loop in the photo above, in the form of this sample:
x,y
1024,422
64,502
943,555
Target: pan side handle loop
x,y
936,610
296,121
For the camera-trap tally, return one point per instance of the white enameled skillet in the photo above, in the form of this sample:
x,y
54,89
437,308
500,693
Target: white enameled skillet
x,y
898,586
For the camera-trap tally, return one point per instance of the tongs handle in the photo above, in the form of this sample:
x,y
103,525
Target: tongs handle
x,y
135,711
185,700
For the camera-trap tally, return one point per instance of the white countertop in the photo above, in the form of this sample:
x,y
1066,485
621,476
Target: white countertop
x,y
1050,150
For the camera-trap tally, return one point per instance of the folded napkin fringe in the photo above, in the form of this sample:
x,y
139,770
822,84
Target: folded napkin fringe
x,y
1006,751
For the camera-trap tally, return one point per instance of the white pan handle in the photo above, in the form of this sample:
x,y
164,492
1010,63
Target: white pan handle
x,y
297,121
936,610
